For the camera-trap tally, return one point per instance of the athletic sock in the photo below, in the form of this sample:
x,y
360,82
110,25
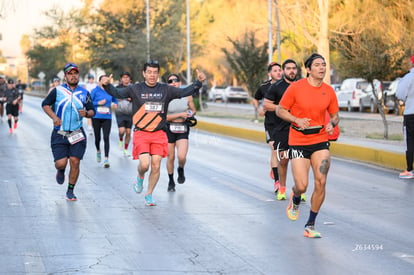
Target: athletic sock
x,y
125,146
71,186
9,122
171,177
296,200
275,173
312,218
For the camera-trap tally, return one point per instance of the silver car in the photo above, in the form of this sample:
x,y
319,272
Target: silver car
x,y
233,93
351,90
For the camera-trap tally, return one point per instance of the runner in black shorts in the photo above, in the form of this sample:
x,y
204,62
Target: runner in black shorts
x,y
3,88
124,115
178,132
280,132
274,72
12,107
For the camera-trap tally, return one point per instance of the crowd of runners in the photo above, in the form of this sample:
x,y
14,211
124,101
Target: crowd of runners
x,y
159,116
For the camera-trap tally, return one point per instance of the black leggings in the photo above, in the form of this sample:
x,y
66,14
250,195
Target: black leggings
x,y
105,125
409,139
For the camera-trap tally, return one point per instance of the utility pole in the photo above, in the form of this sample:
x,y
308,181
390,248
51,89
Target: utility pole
x,y
148,32
279,54
270,27
188,42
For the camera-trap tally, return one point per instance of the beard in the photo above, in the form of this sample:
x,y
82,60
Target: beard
x,y
290,78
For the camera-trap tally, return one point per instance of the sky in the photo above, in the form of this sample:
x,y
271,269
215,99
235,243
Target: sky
x,y
20,17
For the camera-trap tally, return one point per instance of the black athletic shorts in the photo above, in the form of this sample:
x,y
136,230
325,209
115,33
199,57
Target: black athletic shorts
x,y
61,148
305,151
12,109
281,139
173,137
124,121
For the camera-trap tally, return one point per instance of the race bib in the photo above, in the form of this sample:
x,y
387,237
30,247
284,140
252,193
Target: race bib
x,y
75,137
178,128
103,110
154,107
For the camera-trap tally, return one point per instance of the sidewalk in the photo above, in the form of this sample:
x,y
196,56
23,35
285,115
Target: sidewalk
x,y
385,153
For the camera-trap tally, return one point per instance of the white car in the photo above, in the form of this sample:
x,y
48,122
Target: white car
x,y
350,92
233,93
216,93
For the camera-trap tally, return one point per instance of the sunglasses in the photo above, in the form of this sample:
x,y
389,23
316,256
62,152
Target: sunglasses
x,y
153,62
172,80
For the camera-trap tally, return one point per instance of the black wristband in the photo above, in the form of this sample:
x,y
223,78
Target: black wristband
x,y
333,123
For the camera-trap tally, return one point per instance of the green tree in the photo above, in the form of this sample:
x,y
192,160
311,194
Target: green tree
x,y
248,60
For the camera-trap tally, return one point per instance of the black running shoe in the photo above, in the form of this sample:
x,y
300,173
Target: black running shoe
x,y
171,186
181,177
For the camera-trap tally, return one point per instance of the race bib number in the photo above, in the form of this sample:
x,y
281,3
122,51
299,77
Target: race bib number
x,y
103,110
75,137
154,107
178,128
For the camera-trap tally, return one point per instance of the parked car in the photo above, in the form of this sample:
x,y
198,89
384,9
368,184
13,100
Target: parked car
x,y
216,93
390,98
336,87
369,100
351,90
233,93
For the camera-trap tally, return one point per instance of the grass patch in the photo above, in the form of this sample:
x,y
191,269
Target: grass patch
x,y
396,137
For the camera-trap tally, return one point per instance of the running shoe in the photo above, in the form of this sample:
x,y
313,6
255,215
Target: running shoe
x,y
292,210
120,144
276,186
311,232
126,153
106,164
15,125
149,201
281,194
60,176
139,185
10,130
98,157
406,175
181,177
171,186
303,197
70,196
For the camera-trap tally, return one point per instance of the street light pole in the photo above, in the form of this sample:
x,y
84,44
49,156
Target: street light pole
x,y
148,31
270,27
188,42
279,53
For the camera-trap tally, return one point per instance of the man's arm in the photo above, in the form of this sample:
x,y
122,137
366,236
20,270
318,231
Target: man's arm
x,y
115,92
284,114
402,89
189,90
268,105
332,123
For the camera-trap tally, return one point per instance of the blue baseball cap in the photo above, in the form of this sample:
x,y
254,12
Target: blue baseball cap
x,y
69,67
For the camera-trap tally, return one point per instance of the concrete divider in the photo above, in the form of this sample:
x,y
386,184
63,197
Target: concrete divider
x,y
374,156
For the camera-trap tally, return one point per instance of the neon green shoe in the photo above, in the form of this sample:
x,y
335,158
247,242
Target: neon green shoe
x,y
281,194
303,197
292,210
311,232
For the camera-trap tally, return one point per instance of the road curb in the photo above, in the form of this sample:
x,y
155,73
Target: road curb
x,y
360,153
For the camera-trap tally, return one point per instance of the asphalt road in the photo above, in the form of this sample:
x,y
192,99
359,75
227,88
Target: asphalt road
x,y
223,220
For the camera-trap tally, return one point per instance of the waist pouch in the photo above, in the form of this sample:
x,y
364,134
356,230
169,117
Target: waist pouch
x,y
308,131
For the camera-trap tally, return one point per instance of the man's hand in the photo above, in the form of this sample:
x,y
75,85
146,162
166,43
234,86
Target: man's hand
x,y
106,80
200,75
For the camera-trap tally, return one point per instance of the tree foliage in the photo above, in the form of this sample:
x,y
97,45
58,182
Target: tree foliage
x,y
247,60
